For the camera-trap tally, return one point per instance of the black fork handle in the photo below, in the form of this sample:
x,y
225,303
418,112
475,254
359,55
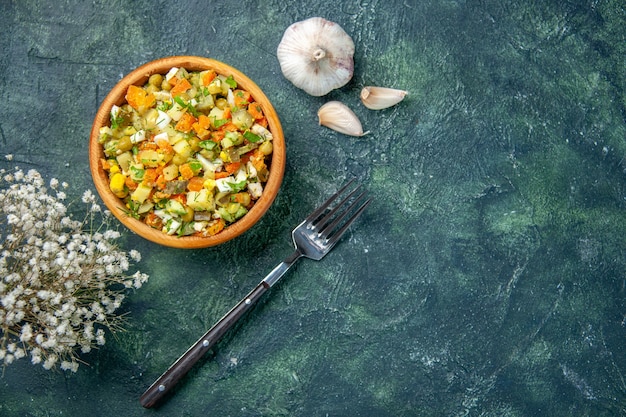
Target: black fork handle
x,y
183,365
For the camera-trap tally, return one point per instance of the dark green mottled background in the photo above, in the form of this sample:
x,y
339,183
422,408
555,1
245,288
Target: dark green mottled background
x,y
487,278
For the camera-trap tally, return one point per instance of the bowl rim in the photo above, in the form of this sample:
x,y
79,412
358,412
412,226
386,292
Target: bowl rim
x,y
139,76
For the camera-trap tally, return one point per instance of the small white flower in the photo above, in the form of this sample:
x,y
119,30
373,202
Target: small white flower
x,y
8,157
88,197
27,333
135,255
100,337
19,353
50,361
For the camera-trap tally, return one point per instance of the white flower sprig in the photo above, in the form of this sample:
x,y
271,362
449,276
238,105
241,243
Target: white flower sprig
x,y
61,279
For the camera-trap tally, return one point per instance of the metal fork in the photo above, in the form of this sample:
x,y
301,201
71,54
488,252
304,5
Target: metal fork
x,y
313,238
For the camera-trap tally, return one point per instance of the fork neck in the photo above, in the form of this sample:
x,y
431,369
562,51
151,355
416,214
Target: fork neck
x,y
273,277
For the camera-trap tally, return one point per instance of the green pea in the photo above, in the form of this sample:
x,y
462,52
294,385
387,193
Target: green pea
x,y
266,148
155,80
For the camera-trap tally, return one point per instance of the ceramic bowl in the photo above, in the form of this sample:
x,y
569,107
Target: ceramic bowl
x,y
139,77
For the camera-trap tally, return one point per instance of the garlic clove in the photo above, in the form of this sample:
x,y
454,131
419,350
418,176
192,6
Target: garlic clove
x,y
337,116
316,55
377,98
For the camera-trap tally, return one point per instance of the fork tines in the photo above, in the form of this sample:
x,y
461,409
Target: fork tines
x,y
331,219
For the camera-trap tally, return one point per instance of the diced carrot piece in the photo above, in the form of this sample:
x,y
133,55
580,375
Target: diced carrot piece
x,y
150,176
262,121
105,164
147,145
216,227
153,221
227,113
255,110
204,121
217,136
185,171
139,99
232,167
161,182
185,123
130,184
229,127
181,86
202,134
201,127
181,198
242,98
258,160
207,77
245,158
221,174
195,184
165,146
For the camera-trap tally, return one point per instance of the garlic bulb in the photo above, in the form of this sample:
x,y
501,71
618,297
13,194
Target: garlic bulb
x,y
337,116
377,98
316,55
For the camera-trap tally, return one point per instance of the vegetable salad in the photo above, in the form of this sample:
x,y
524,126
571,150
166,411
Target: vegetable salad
x,y
187,152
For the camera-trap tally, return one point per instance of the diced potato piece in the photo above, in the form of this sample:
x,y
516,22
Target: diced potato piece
x,y
216,114
200,200
176,112
242,119
151,118
129,130
124,160
170,172
215,87
145,207
175,207
141,193
149,158
175,137
136,172
183,149
205,103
